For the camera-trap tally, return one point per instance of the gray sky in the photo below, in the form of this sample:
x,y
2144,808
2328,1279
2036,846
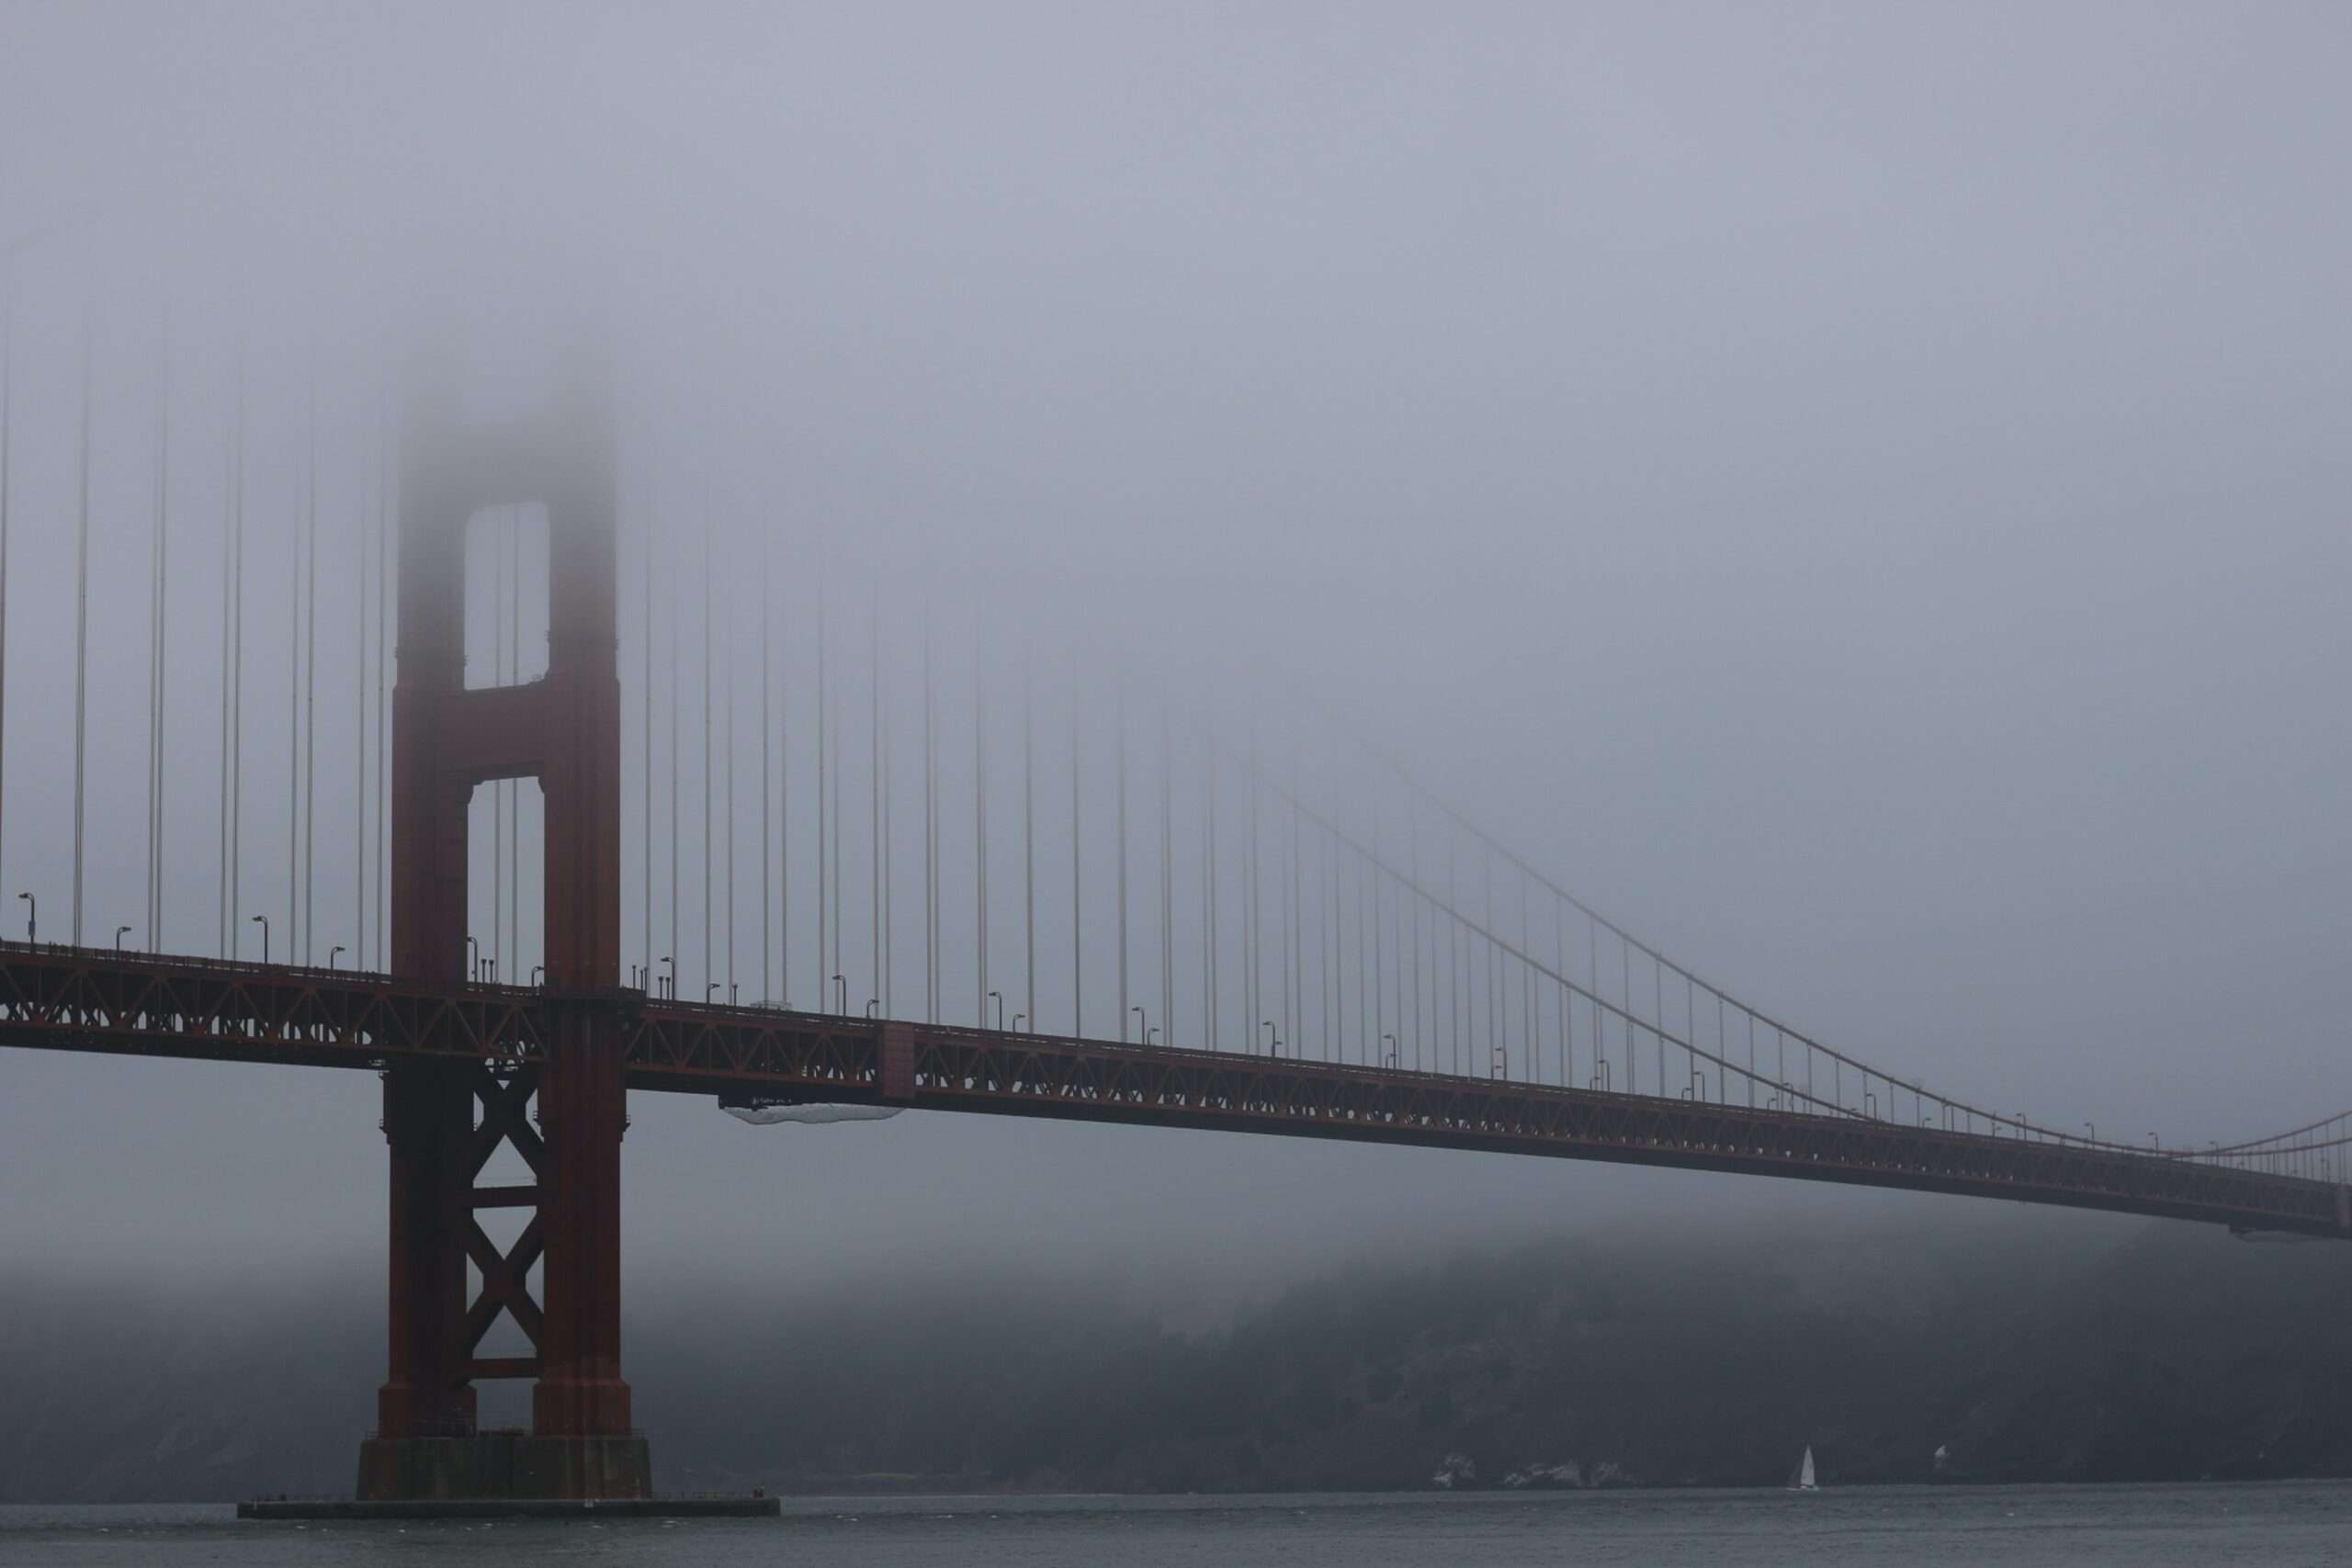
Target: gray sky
x,y
1858,493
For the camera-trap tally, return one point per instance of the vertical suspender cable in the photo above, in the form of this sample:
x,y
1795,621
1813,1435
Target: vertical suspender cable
x,y
824,984
220,901
833,791
293,933
1413,838
730,790
874,783
1560,966
673,955
383,697
310,689
708,964
1452,966
882,793
1121,705
1167,886
1029,834
495,601
1366,967
783,840
1077,877
233,759
979,831
1494,970
82,630
1208,894
1527,988
7,391
645,698
1294,943
360,730
1252,920
767,707
515,786
1340,861
929,831
1327,889
156,662
1600,1025
1379,935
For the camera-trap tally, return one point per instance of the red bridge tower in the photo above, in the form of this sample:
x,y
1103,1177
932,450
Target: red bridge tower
x,y
445,1122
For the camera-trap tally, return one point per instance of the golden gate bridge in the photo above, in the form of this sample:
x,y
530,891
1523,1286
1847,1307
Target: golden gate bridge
x,y
640,810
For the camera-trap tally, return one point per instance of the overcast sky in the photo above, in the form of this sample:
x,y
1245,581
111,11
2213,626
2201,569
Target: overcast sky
x,y
1859,493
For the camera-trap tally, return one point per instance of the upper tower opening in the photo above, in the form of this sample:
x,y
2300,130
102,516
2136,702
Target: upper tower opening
x,y
506,595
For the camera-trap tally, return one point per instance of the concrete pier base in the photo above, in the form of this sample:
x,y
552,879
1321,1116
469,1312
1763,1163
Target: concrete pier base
x,y
514,1508
503,1466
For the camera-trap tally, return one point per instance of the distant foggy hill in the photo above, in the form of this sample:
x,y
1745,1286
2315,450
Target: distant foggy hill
x,y
2036,1352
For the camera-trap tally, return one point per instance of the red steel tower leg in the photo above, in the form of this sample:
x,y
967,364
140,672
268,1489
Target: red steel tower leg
x,y
564,730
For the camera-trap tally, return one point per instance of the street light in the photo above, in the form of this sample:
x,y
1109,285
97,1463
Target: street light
x,y
841,987
998,997
1017,1019
872,1007
119,932
475,948
1143,1019
708,991
670,981
32,915
1274,1042
1392,1048
336,952
538,973
1147,1035
263,921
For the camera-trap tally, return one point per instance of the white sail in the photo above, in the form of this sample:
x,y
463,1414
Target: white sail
x,y
1806,1482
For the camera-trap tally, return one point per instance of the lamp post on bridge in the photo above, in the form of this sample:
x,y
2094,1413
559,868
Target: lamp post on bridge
x,y
840,987
1143,1024
998,997
670,981
474,967
263,921
119,932
32,917
337,951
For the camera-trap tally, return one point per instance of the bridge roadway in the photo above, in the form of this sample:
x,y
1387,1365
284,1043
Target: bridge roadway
x,y
96,1000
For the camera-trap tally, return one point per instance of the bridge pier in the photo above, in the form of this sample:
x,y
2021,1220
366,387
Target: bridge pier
x,y
583,1113
429,1127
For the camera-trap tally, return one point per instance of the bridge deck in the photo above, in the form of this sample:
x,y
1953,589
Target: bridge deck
x,y
95,1000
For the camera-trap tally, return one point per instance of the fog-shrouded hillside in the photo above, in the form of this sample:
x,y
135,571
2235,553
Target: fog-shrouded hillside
x,y
2045,1349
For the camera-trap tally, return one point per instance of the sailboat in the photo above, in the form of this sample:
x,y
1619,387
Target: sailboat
x,y
1804,1480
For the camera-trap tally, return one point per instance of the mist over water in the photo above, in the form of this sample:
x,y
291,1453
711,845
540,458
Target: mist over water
x,y
1857,498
